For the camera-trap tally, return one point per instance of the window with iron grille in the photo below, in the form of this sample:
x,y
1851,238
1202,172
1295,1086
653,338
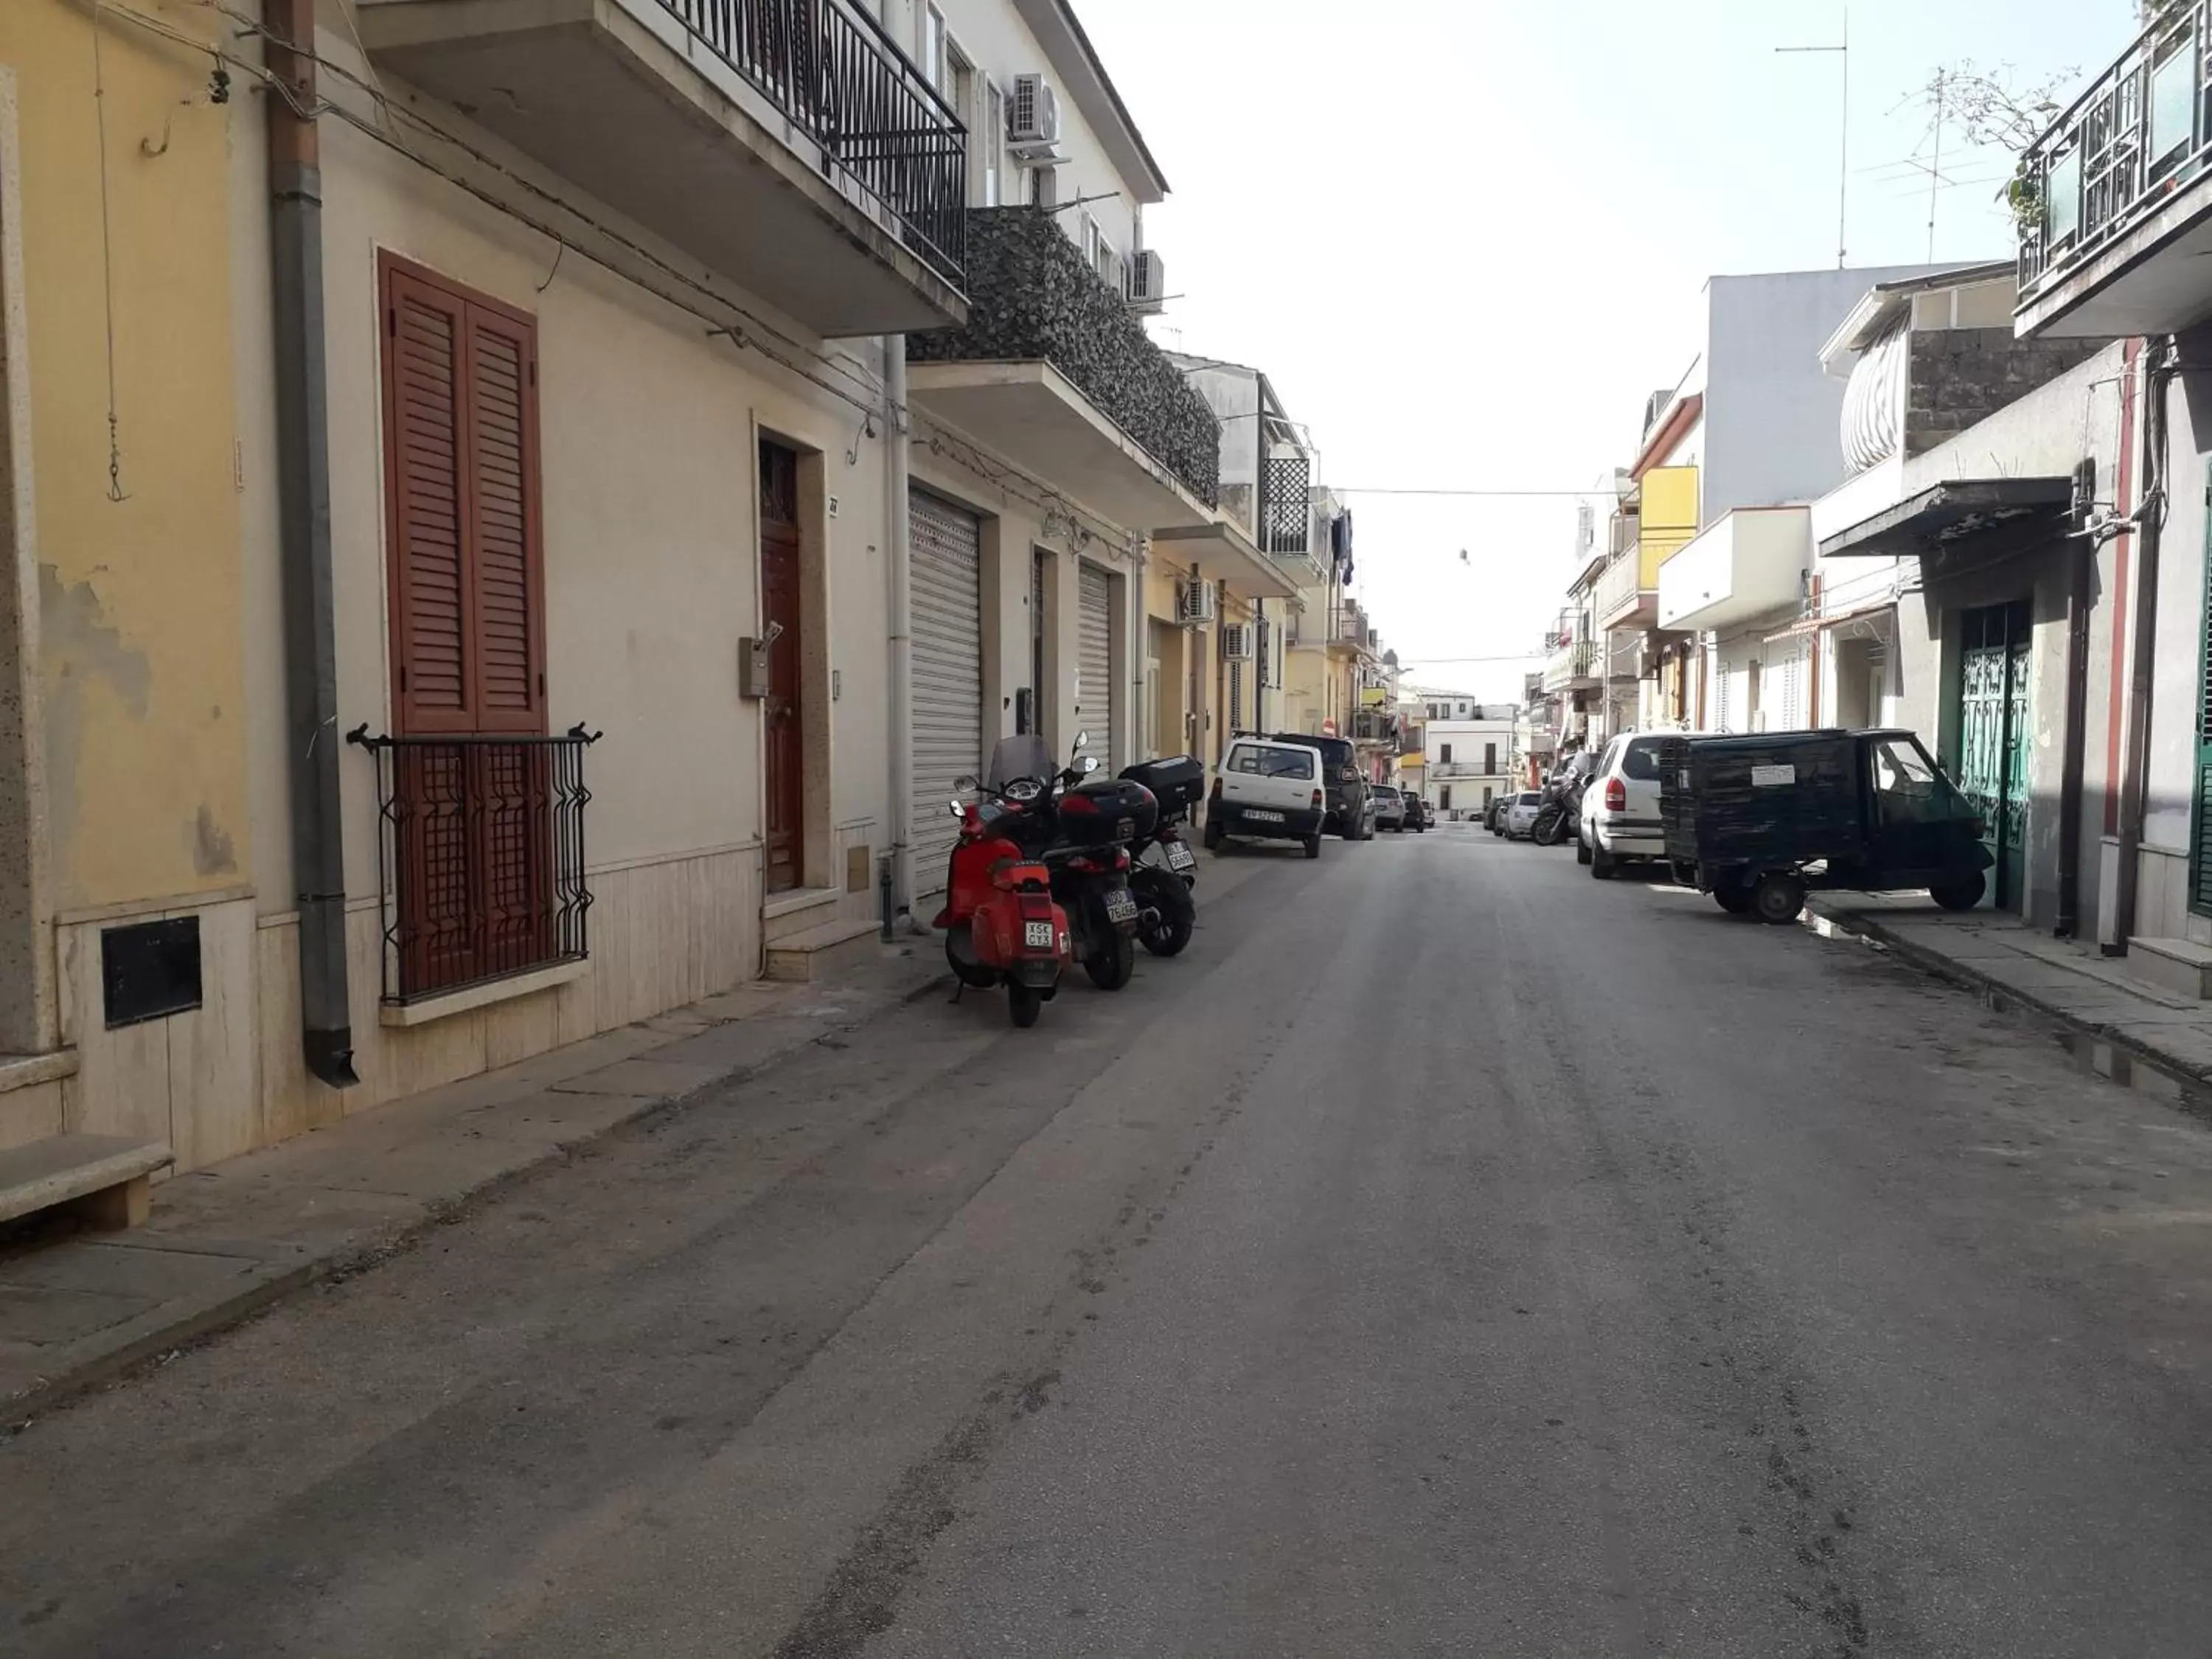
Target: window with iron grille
x,y
1285,509
481,810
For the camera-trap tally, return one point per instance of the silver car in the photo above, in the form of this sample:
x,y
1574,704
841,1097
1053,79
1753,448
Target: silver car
x,y
1389,807
1521,815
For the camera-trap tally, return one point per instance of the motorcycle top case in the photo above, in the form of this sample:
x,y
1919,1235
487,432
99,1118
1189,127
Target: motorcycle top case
x,y
1106,811
1177,782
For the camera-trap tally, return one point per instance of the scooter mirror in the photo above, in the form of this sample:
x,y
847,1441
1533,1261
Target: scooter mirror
x,y
966,782
1083,740
1091,763
956,810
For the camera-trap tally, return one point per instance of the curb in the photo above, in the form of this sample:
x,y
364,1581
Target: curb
x,y
362,1252
1954,972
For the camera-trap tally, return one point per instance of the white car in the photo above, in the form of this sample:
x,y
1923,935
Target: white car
x,y
1269,790
1521,814
1620,804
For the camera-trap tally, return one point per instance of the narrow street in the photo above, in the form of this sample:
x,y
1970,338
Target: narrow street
x,y
1449,1254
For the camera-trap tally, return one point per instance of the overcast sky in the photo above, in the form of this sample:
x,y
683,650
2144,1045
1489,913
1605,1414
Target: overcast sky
x,y
1466,238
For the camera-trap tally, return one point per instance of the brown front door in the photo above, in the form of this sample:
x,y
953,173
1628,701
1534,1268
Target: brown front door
x,y
785,712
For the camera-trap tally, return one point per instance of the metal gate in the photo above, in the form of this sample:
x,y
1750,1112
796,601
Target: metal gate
x,y
1995,665
1094,658
947,704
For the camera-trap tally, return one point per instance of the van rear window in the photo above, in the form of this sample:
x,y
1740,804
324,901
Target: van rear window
x,y
1269,762
1641,760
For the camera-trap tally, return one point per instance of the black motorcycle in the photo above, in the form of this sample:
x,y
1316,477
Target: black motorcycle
x,y
1163,864
1560,819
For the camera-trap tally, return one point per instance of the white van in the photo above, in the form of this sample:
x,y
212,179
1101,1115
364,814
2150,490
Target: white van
x,y
1269,790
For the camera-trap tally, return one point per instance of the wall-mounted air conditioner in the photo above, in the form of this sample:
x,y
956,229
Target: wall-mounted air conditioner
x,y
1033,122
1236,641
1198,602
1148,282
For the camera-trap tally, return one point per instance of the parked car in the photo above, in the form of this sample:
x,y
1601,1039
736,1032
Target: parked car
x,y
1389,807
1418,816
1351,810
1493,814
1520,814
1620,805
1267,790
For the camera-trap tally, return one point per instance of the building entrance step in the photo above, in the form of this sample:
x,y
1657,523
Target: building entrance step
x,y
2179,965
106,1178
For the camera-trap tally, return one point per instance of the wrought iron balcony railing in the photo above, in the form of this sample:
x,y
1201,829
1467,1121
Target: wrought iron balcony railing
x,y
842,81
2141,133
481,858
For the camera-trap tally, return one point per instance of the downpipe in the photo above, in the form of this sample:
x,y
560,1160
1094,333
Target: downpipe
x,y
2136,774
899,608
303,489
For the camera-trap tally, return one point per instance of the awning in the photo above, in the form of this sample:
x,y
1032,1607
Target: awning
x,y
1949,514
1039,420
1832,619
1221,552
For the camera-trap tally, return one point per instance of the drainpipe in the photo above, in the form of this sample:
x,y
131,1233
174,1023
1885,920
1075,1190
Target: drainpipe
x,y
2136,774
303,492
2079,598
898,577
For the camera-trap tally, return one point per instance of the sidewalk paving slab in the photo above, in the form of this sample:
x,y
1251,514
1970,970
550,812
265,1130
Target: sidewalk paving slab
x,y
2065,980
225,1241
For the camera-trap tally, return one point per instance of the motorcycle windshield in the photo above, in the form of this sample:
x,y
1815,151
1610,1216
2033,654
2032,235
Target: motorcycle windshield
x,y
1019,757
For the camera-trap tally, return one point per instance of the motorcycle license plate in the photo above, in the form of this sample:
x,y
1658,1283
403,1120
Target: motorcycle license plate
x,y
1121,905
1179,857
1264,817
1037,935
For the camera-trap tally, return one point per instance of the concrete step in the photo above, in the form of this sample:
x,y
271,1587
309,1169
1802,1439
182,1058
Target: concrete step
x,y
108,1177
803,957
2179,965
801,910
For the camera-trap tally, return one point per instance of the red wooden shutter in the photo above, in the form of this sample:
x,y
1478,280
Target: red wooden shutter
x,y
426,447
468,602
503,522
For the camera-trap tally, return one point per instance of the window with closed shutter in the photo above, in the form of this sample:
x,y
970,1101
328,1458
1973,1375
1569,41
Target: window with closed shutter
x,y
2200,835
474,856
461,447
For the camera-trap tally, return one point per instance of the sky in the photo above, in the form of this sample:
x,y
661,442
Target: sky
x,y
1465,239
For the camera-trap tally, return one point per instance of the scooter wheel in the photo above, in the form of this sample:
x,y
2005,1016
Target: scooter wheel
x,y
1178,914
1114,964
1024,1004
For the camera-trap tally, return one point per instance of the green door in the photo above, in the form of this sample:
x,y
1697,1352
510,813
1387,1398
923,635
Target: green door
x,y
1995,668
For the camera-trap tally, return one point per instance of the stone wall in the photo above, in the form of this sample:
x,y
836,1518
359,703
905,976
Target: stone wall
x,y
1032,295
1962,376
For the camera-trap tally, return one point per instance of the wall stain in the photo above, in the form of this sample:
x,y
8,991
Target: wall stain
x,y
82,646
213,851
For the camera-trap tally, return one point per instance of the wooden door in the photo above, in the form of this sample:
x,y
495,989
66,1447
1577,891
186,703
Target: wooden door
x,y
782,609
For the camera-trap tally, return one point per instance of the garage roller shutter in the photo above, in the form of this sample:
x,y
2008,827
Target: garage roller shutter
x,y
948,675
1094,656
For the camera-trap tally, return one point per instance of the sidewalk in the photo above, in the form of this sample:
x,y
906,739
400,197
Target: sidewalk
x,y
2067,980
226,1241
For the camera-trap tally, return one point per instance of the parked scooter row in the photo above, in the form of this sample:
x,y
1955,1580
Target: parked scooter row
x,y
1053,867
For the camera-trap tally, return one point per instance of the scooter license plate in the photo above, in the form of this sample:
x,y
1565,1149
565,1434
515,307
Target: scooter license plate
x,y
1179,857
1037,935
1121,905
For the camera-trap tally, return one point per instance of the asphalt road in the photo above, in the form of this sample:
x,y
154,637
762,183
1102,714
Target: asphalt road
x,y
1449,1254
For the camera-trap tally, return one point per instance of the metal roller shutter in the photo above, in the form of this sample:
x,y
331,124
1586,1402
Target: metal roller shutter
x,y
1094,658
947,703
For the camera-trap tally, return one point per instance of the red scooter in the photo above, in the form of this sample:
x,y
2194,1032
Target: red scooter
x,y
1001,927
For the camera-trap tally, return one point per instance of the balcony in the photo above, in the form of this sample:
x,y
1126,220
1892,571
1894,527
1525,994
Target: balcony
x,y
1752,563
480,859
787,145
1287,517
2116,198
1570,665
1052,372
1371,726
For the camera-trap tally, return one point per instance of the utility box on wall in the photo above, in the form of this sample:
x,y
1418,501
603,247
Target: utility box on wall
x,y
752,667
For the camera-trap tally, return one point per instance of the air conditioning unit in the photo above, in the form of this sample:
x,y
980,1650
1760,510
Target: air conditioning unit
x,y
1236,641
1148,282
1198,602
1033,122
